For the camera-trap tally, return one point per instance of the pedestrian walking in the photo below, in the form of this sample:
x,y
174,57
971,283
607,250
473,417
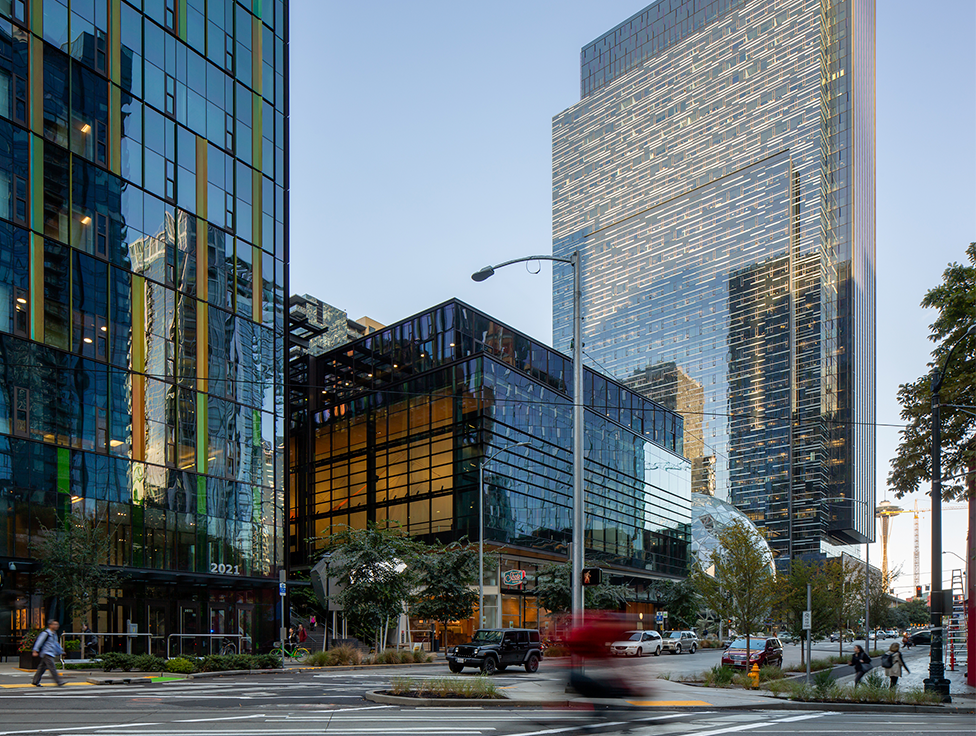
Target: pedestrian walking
x,y
302,634
312,622
894,663
47,647
861,663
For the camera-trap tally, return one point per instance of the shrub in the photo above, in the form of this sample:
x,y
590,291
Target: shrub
x,y
27,641
115,661
823,681
72,645
480,687
267,662
148,663
318,659
387,656
346,655
718,676
771,672
181,665
419,655
556,650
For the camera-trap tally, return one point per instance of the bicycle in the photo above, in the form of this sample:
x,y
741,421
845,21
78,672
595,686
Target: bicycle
x,y
226,648
285,652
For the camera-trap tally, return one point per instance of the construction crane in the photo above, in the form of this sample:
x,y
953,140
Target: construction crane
x,y
885,511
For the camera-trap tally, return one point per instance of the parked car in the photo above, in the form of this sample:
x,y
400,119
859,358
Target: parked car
x,y
637,644
492,650
787,638
762,651
677,642
923,638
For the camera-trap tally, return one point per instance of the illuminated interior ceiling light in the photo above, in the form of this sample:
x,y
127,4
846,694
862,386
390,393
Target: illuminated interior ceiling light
x,y
103,328
86,220
452,344
21,300
86,128
88,339
116,443
75,499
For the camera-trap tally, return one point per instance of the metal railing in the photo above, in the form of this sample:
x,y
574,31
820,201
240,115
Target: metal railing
x,y
86,636
241,638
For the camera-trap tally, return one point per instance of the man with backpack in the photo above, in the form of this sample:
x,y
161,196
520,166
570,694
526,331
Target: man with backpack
x,y
47,647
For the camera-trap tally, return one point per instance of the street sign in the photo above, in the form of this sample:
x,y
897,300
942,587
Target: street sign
x,y
281,589
807,623
659,618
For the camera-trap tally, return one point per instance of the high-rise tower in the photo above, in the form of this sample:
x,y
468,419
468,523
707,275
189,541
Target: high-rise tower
x,y
143,265
718,178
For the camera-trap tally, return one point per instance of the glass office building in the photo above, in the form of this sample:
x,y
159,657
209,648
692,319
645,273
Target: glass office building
x,y
717,177
143,258
397,423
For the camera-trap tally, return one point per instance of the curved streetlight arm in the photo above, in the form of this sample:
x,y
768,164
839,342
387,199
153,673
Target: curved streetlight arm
x,y
937,380
489,271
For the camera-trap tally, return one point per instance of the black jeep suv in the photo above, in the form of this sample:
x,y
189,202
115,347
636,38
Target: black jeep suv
x,y
492,650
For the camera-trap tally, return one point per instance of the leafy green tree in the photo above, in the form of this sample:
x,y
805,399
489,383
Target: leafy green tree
x,y
742,585
823,602
73,559
552,587
681,600
955,301
446,577
910,613
377,567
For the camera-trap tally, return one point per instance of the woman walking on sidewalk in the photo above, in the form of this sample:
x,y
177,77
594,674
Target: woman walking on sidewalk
x,y
861,663
893,664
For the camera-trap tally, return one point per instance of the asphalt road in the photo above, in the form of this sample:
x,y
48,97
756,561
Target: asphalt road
x,y
316,702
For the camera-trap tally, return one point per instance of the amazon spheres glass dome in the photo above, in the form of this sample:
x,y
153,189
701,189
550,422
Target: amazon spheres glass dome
x,y
708,516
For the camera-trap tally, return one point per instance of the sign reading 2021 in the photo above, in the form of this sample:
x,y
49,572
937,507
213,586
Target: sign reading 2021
x,y
223,569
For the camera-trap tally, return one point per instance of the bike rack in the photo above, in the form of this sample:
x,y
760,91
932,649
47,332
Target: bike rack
x,y
210,637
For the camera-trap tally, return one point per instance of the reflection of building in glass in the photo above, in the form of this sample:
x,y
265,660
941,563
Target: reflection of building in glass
x,y
331,325
708,516
718,179
671,387
142,282
401,418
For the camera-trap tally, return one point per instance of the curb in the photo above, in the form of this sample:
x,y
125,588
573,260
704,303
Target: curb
x,y
377,696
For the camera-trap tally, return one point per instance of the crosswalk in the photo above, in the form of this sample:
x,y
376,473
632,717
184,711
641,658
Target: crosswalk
x,y
373,720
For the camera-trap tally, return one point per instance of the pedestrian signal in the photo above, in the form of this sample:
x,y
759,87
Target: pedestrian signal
x,y
592,576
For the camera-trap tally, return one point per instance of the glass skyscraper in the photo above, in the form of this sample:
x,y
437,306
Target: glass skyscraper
x,y
391,428
717,177
143,261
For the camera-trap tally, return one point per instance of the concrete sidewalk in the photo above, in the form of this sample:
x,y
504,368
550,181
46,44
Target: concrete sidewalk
x,y
917,659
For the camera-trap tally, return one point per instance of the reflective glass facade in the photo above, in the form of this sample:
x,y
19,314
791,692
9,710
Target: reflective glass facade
x,y
143,259
399,421
718,179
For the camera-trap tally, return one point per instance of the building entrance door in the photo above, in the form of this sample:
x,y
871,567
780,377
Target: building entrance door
x,y
189,627
245,627
157,617
221,622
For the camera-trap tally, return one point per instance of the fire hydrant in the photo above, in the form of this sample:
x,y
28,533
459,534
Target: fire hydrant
x,y
754,674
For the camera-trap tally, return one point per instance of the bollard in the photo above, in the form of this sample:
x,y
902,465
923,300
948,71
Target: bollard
x,y
754,674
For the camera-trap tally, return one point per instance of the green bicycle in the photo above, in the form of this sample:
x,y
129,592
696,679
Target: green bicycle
x,y
286,652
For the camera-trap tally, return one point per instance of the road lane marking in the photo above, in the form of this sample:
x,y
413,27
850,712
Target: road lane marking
x,y
79,728
759,724
226,718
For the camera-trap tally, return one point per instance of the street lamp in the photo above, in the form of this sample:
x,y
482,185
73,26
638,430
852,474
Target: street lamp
x,y
481,525
936,681
576,554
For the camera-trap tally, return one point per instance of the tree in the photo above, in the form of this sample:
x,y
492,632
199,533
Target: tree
x,y
681,600
73,558
446,577
743,584
553,591
823,603
955,300
376,567
912,612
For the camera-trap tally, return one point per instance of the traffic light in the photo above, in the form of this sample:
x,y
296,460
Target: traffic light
x,y
592,576
918,591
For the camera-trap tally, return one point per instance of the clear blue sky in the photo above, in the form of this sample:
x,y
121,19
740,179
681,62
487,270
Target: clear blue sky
x,y
421,151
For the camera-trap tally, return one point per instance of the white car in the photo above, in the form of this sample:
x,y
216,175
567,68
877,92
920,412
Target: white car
x,y
637,644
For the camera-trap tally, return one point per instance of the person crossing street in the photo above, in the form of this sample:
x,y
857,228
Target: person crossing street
x,y
47,647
